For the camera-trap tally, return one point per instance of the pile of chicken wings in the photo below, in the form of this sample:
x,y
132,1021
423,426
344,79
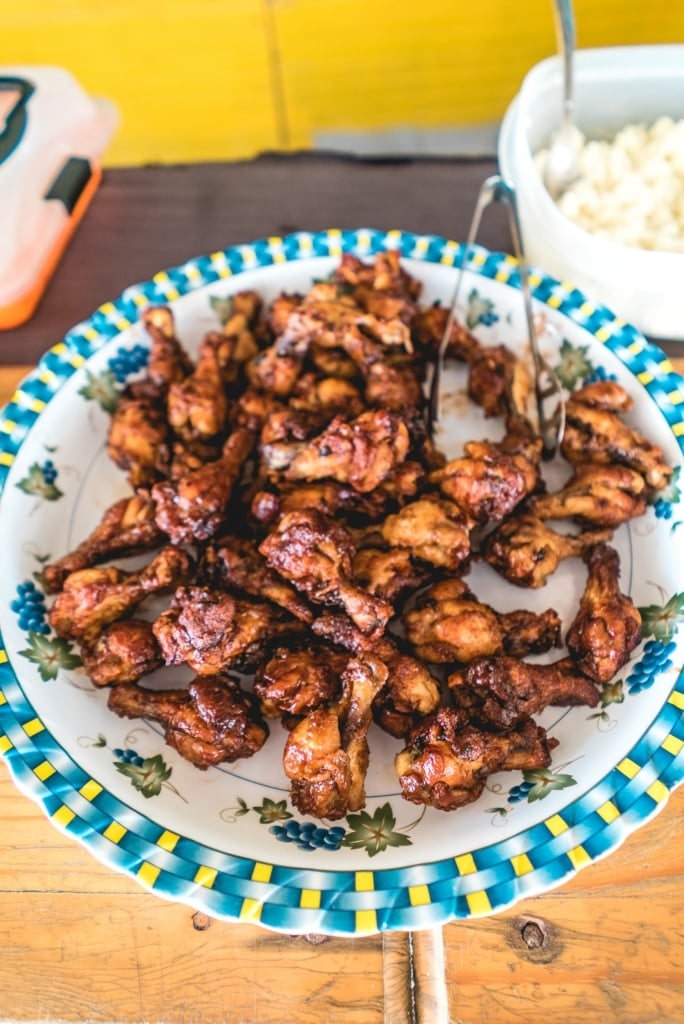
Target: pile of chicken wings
x,y
313,546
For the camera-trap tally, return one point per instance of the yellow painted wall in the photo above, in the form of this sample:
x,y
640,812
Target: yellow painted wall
x,y
227,79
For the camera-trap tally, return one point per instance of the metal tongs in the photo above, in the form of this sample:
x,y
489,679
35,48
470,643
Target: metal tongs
x,y
547,388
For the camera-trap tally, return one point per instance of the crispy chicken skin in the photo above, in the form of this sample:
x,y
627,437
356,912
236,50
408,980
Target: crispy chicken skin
x,y
596,495
314,552
275,370
242,329
329,496
487,483
499,692
607,627
126,528
337,628
194,507
433,531
327,320
383,287
210,630
410,693
449,624
527,551
326,754
211,722
122,653
168,361
235,564
327,396
295,680
252,409
393,387
388,574
138,438
499,382
428,327
595,432
362,453
92,599
197,406
285,434
446,761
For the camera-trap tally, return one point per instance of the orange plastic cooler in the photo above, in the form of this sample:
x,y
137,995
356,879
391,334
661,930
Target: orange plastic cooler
x,y
52,136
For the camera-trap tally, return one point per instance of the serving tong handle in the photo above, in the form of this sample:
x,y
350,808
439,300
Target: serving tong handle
x,y
547,388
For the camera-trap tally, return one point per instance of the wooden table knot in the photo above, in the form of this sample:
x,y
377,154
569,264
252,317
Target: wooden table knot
x,y
535,940
533,934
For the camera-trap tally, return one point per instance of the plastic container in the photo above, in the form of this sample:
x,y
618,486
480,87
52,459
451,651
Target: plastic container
x,y
52,135
614,86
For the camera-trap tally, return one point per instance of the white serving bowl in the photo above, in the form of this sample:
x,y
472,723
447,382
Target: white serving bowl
x,y
614,86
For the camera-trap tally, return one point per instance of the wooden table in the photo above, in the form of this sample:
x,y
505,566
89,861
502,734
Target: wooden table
x,y
82,943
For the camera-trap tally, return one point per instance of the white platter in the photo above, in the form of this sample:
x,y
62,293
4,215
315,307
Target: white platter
x,y
228,841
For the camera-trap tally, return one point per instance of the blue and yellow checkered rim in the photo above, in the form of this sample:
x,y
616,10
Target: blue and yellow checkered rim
x,y
344,903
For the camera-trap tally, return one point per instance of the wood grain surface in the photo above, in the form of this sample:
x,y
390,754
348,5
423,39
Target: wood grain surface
x,y
82,943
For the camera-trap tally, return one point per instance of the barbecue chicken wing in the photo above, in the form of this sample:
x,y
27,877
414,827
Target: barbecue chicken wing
x,y
252,409
607,626
320,319
449,624
241,328
212,722
210,630
91,599
388,574
168,361
333,362
428,327
487,483
499,692
596,495
499,382
327,396
315,553
267,506
392,379
138,438
594,432
331,497
383,287
297,679
188,458
275,369
361,453
447,760
526,551
234,563
197,406
410,693
126,528
285,434
194,507
394,387
279,310
433,531
326,754
341,323
122,653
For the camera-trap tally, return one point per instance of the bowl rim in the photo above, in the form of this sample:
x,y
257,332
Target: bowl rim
x,y
516,162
